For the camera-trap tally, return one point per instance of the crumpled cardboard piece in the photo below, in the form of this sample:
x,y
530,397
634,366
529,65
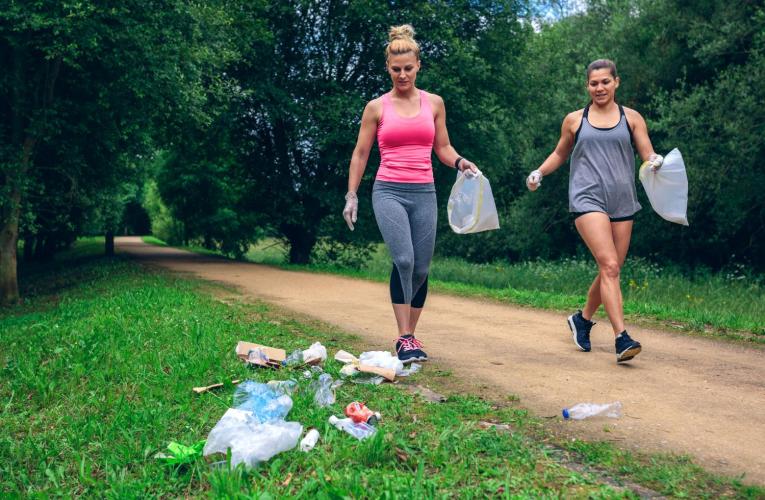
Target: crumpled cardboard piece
x,y
275,355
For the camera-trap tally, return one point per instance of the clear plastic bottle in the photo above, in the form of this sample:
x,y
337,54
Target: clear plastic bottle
x,y
324,393
295,358
266,403
359,431
585,410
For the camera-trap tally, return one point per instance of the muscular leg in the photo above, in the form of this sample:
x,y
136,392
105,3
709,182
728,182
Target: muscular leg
x,y
622,232
596,230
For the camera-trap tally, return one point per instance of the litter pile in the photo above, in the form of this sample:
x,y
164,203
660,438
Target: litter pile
x,y
256,428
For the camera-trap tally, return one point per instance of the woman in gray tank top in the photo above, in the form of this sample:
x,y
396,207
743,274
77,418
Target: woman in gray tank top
x,y
602,194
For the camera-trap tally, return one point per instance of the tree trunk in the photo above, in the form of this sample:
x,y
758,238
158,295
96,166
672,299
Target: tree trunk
x,y
9,238
109,243
301,243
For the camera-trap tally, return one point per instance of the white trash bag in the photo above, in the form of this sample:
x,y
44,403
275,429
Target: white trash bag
x,y
471,206
667,188
250,441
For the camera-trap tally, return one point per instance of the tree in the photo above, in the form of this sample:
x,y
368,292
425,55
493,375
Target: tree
x,y
90,87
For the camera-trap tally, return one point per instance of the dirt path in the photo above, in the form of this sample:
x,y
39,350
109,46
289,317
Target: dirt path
x,y
689,395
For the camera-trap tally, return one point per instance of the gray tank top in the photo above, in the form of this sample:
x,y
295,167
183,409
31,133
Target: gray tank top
x,y
602,176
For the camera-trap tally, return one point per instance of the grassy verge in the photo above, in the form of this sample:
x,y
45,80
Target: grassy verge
x,y
96,375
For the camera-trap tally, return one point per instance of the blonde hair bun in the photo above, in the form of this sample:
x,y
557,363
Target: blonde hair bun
x,y
403,31
401,41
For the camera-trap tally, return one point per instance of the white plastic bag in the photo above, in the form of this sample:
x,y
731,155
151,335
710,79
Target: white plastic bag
x,y
667,188
471,206
251,442
317,353
382,359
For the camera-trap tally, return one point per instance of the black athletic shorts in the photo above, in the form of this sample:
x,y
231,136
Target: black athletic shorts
x,y
576,215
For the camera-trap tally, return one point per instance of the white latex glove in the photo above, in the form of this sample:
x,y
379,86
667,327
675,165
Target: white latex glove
x,y
654,162
469,168
351,208
534,180
470,173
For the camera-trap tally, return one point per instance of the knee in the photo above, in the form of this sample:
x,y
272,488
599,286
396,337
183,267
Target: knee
x,y
405,264
610,268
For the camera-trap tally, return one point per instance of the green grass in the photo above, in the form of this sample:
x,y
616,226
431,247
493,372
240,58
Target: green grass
x,y
731,304
96,373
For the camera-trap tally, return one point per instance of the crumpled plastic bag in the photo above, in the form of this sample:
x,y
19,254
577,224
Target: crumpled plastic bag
x,y
667,188
251,442
471,207
317,353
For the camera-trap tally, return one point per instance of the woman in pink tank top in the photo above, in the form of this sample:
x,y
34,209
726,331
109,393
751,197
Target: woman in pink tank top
x,y
409,125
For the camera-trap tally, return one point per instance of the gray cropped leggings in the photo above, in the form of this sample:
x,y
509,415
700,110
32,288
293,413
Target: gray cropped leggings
x,y
406,214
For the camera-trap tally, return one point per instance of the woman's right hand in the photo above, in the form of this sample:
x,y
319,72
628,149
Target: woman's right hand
x,y
351,209
534,180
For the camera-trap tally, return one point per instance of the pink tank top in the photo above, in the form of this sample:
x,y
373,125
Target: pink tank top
x,y
406,143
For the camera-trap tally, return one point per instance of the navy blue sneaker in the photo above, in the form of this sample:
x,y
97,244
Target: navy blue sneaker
x,y
580,329
626,348
409,349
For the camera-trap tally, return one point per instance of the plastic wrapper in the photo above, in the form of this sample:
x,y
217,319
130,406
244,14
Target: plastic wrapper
x,y
250,441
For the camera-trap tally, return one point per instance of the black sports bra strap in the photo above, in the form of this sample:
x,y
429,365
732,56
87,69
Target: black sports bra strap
x,y
621,110
584,117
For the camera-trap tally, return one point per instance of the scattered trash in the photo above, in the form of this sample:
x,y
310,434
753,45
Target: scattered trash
x,y
492,425
249,440
275,356
315,354
257,357
368,378
310,440
427,394
358,412
381,364
287,480
345,357
410,370
381,359
200,390
283,386
325,395
264,402
585,410
359,431
295,358
181,454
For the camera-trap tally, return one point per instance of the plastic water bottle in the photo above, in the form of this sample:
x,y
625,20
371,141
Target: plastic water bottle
x,y
324,394
310,440
359,431
295,358
585,410
265,403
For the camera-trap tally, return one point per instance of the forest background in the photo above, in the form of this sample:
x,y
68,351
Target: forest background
x,y
226,122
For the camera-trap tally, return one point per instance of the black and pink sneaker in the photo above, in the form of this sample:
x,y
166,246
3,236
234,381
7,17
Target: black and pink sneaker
x,y
409,349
